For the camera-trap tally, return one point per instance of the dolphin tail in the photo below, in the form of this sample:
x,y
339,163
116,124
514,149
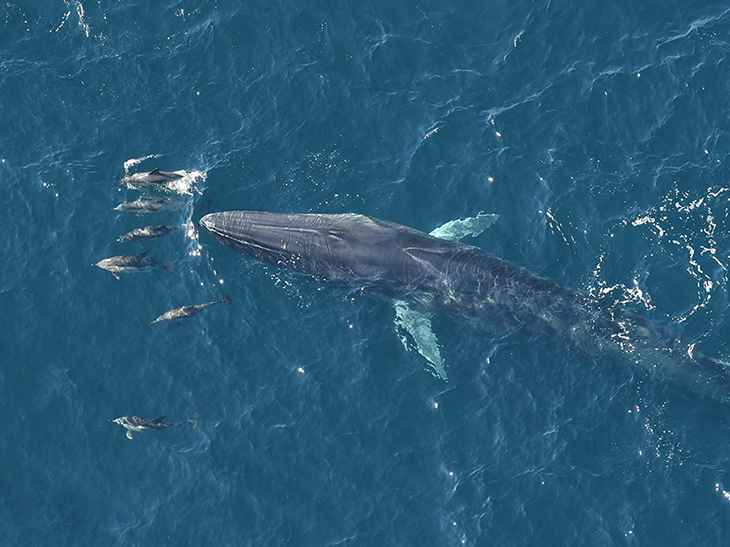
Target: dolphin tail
x,y
227,300
168,267
205,206
194,420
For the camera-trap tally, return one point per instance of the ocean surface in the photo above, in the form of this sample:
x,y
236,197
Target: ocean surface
x,y
598,132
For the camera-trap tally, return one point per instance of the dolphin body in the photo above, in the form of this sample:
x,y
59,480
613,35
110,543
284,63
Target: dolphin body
x,y
153,177
147,232
387,260
140,423
131,264
145,205
184,312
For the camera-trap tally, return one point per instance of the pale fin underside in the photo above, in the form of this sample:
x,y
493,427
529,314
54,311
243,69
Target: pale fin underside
x,y
418,324
458,229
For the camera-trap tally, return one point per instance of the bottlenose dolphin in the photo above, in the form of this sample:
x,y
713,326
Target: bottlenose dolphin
x,y
131,264
188,311
140,423
148,232
387,260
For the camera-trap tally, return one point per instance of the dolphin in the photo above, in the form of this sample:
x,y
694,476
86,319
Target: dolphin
x,y
140,423
144,205
131,264
389,261
148,232
153,177
188,311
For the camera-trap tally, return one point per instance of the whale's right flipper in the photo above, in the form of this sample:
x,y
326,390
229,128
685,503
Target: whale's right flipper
x,y
458,229
130,435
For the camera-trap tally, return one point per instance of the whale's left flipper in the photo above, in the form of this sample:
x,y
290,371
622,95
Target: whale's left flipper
x,y
418,325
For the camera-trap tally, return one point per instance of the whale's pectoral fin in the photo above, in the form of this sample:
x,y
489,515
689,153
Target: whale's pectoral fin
x,y
130,435
418,325
458,229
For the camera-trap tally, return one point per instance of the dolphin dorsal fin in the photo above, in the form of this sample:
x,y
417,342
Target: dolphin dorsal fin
x,y
155,171
159,419
141,255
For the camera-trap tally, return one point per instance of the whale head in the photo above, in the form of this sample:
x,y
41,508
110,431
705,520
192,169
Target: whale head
x,y
347,248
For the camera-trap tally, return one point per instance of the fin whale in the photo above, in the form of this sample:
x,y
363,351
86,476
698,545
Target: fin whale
x,y
395,262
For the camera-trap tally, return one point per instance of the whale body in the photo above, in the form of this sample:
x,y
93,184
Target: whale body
x,y
391,261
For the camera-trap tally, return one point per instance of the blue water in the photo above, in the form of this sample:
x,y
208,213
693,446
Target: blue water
x,y
599,133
